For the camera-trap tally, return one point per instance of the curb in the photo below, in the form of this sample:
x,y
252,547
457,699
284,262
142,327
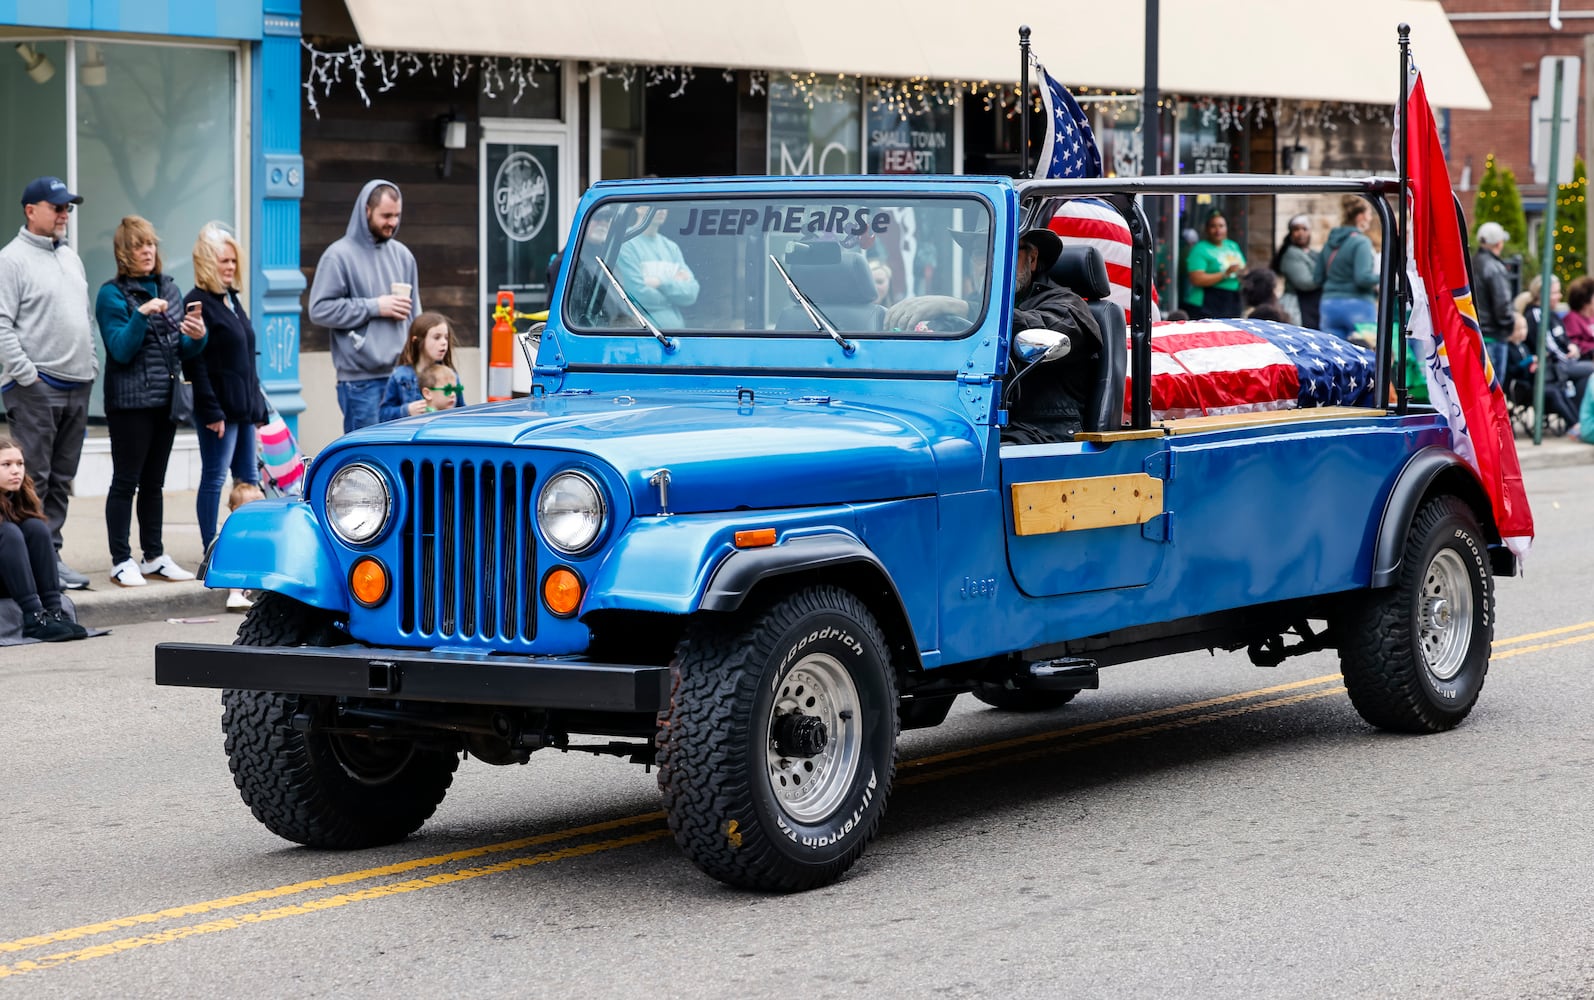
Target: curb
x,y
1554,456
109,605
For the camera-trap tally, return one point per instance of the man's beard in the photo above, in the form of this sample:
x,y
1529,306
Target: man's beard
x,y
378,235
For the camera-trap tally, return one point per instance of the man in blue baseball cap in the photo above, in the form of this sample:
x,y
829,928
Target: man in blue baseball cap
x,y
47,358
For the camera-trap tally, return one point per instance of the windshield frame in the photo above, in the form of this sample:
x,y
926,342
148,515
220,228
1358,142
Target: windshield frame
x,y
620,203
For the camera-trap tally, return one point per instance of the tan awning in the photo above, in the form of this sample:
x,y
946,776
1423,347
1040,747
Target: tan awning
x,y
1292,49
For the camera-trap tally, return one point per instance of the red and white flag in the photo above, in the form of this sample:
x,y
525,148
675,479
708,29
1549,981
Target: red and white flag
x,y
1094,223
1444,328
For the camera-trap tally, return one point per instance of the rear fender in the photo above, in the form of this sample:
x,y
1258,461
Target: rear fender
x,y
276,545
1431,472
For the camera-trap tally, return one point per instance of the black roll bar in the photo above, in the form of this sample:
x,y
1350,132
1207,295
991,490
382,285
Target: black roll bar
x,y
1123,194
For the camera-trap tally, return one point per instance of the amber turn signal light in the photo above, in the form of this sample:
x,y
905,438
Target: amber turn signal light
x,y
755,538
368,581
561,591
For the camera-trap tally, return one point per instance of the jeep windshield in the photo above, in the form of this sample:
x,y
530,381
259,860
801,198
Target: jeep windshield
x,y
713,265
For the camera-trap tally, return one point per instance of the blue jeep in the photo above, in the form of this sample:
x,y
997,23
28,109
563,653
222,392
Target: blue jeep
x,y
744,531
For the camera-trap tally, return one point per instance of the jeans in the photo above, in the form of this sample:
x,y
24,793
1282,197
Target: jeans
x,y
234,449
361,402
27,564
141,445
1340,316
48,425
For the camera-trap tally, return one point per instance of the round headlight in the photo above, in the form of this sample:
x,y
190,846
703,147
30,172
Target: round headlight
x,y
570,512
358,503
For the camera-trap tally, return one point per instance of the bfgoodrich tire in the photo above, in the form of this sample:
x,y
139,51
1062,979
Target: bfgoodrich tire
x,y
777,752
1415,654
314,788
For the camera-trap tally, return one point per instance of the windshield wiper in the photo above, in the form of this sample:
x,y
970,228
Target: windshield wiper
x,y
636,310
815,317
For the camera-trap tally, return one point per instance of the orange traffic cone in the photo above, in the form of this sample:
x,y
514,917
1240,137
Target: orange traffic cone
x,y
500,357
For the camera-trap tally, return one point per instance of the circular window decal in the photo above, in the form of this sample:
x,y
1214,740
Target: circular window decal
x,y
520,197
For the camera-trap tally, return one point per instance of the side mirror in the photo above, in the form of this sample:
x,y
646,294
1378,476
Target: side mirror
x,y
1040,345
528,341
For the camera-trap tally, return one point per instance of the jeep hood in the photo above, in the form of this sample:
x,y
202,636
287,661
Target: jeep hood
x,y
775,452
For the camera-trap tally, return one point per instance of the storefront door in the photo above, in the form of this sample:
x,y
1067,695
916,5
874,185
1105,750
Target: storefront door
x,y
527,199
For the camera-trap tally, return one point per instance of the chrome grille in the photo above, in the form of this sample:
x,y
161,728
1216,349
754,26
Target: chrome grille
x,y
469,561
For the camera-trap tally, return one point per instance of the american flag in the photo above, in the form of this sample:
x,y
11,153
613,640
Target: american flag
x,y
1069,150
1205,367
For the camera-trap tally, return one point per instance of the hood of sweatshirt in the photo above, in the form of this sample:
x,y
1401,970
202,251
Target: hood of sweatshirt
x,y
360,229
1337,237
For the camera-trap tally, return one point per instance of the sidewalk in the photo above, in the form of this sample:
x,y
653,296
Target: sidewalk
x,y
104,603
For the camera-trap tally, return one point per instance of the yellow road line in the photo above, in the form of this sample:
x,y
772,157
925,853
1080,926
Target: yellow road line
x,y
1540,635
1036,744
1123,734
582,850
1573,641
1123,720
326,903
331,881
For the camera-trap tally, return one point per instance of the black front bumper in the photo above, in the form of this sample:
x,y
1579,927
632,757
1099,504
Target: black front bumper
x,y
417,675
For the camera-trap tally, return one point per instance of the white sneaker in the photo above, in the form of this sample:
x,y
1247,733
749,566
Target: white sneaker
x,y
237,600
126,574
164,568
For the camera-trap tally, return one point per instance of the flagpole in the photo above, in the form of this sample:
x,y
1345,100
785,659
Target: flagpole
x,y
1023,100
1547,259
1150,102
1402,391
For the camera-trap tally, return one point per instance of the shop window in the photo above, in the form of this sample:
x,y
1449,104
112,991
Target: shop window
x,y
157,137
32,122
541,96
814,128
912,144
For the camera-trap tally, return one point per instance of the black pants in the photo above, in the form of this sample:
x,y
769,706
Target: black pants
x,y
27,565
141,445
48,424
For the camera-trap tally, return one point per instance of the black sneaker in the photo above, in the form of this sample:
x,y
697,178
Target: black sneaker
x,y
42,626
78,631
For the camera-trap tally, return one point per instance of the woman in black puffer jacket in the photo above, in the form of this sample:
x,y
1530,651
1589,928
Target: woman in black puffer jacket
x,y
147,335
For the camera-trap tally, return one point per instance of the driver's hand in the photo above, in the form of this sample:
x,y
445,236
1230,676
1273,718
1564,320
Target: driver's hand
x,y
909,313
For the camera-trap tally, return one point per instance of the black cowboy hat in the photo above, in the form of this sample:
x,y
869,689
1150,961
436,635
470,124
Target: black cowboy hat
x,y
1048,246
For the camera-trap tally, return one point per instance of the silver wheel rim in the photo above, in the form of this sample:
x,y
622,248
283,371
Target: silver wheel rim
x,y
1445,615
811,788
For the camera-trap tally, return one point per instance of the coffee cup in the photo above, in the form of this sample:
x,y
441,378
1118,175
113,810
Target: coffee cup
x,y
401,289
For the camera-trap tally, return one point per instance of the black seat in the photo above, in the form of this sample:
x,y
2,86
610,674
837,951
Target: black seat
x,y
1082,269
839,283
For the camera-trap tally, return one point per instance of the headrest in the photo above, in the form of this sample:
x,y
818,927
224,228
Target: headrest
x,y
844,280
1082,269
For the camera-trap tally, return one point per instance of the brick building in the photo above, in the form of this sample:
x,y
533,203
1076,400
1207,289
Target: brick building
x,y
1505,41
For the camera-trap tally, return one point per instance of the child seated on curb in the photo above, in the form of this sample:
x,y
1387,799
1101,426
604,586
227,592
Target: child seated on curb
x,y
241,494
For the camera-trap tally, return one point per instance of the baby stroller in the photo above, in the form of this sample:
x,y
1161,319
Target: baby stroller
x,y
282,466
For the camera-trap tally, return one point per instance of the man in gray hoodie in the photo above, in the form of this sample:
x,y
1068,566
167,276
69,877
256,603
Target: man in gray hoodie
x,y
47,358
364,293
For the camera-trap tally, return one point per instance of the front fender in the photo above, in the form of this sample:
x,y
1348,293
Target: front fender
x,y
276,545
665,564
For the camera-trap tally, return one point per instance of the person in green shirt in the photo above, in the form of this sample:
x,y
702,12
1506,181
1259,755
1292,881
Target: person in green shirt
x,y
1214,265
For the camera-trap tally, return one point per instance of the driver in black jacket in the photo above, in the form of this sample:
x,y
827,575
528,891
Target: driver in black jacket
x,y
1045,405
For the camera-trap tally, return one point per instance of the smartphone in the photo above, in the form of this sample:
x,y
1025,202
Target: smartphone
x,y
195,306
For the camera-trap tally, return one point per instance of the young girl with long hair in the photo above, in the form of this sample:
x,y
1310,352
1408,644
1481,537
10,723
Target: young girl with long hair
x,y
430,342
27,556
